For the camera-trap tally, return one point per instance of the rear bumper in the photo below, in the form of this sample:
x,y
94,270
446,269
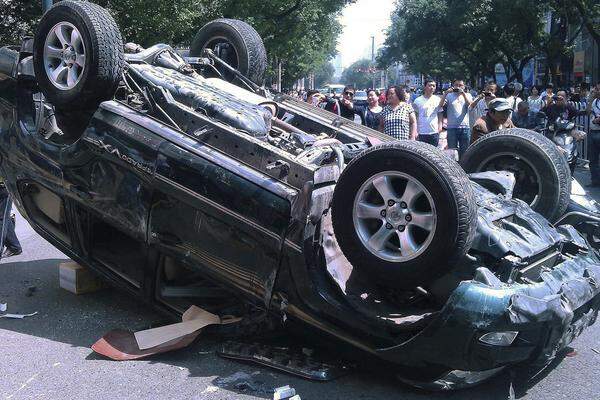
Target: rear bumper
x,y
547,316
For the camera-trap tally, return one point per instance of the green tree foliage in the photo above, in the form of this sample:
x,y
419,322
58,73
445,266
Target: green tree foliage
x,y
360,74
324,74
17,19
301,34
466,38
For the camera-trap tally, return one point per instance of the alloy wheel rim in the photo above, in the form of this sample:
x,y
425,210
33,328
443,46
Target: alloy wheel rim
x,y
64,56
394,216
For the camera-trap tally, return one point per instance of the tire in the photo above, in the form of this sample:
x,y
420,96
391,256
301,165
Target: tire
x,y
249,55
96,75
446,195
543,177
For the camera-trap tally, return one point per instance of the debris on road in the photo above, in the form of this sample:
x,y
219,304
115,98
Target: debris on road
x,y
4,307
78,279
286,359
595,351
30,291
244,382
121,345
193,320
285,393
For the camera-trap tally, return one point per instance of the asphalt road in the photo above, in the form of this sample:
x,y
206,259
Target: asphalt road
x,y
48,355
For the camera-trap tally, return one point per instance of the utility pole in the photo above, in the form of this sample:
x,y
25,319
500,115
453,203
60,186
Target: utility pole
x,y
373,60
279,76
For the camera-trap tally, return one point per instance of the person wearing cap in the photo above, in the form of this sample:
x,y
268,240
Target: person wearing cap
x,y
497,117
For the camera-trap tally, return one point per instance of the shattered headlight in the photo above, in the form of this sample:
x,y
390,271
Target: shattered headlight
x,y
499,338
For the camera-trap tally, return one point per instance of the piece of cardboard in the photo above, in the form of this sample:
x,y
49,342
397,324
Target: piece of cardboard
x,y
193,320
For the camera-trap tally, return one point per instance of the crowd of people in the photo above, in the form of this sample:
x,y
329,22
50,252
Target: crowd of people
x,y
466,115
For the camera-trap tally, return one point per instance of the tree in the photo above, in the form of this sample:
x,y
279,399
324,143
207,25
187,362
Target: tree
x,y
17,18
359,74
324,74
471,36
301,34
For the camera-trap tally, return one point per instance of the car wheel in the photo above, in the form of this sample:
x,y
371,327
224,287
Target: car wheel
x,y
404,213
78,55
235,42
543,178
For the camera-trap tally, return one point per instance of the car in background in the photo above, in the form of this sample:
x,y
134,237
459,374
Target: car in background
x,y
360,98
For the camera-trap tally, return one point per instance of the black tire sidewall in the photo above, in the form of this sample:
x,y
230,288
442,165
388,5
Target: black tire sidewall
x,y
510,142
430,263
226,29
72,97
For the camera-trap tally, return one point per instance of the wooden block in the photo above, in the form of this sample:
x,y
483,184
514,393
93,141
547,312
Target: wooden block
x,y
78,279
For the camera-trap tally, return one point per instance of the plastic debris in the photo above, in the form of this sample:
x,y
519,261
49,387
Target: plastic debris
x,y
285,393
17,316
4,307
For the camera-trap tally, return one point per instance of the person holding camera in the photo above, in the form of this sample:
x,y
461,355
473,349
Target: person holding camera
x,y
593,108
457,103
480,104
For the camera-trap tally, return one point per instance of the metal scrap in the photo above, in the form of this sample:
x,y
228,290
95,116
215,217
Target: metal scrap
x,y
284,359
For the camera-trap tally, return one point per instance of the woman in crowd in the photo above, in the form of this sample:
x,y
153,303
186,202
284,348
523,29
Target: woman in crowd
x,y
398,118
535,101
372,113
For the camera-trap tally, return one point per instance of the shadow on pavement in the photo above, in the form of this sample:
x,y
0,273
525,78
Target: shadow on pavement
x,y
80,320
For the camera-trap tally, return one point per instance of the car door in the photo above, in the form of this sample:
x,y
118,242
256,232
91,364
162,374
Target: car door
x,y
220,216
114,190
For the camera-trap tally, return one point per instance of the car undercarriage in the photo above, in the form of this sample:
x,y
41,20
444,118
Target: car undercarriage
x,y
187,183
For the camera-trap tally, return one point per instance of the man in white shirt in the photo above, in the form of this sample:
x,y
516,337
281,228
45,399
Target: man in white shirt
x,y
429,117
457,103
512,95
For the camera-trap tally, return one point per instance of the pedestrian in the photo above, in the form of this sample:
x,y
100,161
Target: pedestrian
x,y
398,117
511,94
548,94
314,97
526,118
12,247
479,106
593,108
429,117
497,117
371,114
457,104
535,101
343,107
559,107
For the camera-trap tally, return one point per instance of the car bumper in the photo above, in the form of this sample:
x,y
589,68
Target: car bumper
x,y
547,316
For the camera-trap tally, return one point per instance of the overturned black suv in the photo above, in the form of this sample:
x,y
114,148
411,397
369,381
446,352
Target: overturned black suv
x,y
178,178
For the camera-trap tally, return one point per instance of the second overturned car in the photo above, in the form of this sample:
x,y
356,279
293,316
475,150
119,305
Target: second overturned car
x,y
182,181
